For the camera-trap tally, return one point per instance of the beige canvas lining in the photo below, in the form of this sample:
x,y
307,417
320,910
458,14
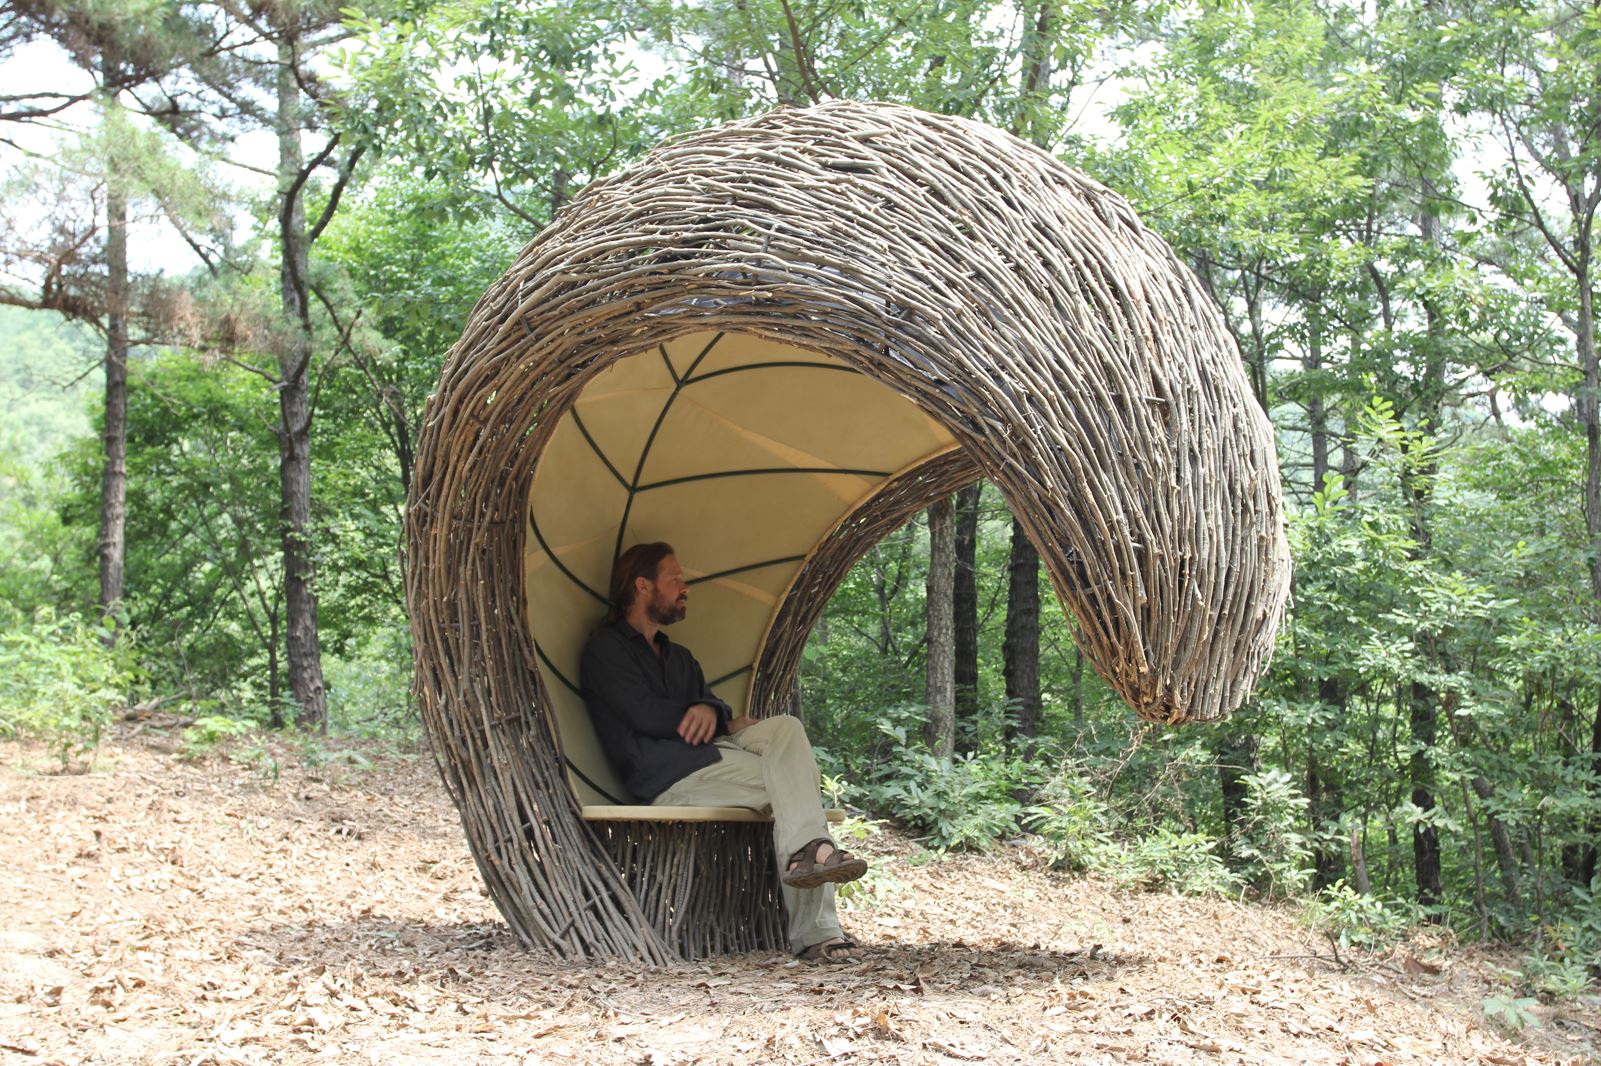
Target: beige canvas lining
x,y
774,418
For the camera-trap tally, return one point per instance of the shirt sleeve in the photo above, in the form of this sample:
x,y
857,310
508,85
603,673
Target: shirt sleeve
x,y
613,687
725,713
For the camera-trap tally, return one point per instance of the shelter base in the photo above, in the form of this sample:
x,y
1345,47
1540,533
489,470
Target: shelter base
x,y
708,887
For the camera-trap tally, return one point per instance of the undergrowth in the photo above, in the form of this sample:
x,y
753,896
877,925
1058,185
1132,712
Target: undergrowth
x,y
59,683
978,800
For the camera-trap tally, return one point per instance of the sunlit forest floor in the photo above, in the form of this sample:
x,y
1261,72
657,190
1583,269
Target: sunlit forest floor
x,y
163,911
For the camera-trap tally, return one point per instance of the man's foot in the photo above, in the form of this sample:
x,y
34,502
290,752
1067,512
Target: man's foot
x,y
834,950
820,862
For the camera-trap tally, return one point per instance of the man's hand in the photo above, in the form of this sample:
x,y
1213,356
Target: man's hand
x,y
699,724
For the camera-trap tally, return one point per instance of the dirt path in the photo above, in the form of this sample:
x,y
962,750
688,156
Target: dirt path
x,y
165,912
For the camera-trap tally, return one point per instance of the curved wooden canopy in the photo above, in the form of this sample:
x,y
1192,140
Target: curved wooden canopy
x,y
770,343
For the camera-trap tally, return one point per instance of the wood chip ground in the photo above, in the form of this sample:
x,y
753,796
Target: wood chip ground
x,y
158,911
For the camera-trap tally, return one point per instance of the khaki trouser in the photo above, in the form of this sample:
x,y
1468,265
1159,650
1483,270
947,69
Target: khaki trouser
x,y
770,768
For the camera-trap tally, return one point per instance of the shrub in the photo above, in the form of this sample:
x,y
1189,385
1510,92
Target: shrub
x,y
964,802
1071,821
1273,852
1566,959
207,732
1350,919
1182,861
60,683
369,688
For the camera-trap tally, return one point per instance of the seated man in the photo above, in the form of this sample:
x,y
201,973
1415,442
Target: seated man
x,y
677,744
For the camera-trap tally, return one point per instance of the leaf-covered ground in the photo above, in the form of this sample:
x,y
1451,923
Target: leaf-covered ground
x,y
158,911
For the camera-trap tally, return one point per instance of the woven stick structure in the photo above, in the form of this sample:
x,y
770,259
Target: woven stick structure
x,y
1016,322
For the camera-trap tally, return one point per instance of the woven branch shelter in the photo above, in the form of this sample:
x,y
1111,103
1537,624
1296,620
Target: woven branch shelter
x,y
771,343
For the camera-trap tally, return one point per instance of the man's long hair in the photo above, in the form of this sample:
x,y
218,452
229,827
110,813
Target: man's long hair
x,y
642,560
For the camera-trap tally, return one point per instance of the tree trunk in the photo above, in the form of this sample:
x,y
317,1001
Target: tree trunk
x,y
1021,650
964,606
1590,408
884,593
1317,418
1235,752
794,704
275,691
294,407
1078,683
114,470
1424,700
940,730
1256,351
1326,795
1571,854
1425,838
1506,859
1359,863
1587,862
559,180
1325,807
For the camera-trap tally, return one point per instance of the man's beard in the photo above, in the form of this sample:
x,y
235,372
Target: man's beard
x,y
666,616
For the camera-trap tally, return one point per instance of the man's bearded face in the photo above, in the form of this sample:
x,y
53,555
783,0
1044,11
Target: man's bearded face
x,y
669,596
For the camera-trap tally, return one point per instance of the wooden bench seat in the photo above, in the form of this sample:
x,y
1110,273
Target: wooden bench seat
x,y
616,812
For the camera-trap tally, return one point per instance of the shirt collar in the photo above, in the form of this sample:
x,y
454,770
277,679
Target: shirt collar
x,y
633,634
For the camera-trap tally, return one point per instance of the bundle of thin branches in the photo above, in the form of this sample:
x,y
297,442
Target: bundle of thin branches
x,y
1077,362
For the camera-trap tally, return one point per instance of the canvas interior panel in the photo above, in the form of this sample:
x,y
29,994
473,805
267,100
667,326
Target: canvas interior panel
x,y
778,443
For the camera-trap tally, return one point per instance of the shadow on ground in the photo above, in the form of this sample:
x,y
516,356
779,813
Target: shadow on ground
x,y
450,952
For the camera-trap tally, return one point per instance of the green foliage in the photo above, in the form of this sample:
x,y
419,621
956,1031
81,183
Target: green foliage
x,y
1566,960
1350,919
1072,820
244,742
256,752
202,505
966,802
974,58
369,690
507,106
43,562
1512,1012
856,834
1173,859
314,750
60,684
209,731
1560,976
46,378
1270,845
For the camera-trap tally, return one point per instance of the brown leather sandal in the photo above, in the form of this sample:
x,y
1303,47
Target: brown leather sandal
x,y
805,871
830,952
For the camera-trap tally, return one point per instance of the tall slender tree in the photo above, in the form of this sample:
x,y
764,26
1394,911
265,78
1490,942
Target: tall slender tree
x,y
1020,651
940,731
964,608
123,48
273,79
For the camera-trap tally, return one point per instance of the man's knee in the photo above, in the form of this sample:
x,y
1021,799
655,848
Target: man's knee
x,y
786,726
777,729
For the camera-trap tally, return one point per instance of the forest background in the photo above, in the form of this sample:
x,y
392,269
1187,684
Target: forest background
x,y
240,236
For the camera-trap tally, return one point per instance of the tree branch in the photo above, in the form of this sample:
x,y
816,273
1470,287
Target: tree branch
x,y
802,56
343,180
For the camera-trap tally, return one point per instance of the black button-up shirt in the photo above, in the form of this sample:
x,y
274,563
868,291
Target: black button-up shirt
x,y
636,698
